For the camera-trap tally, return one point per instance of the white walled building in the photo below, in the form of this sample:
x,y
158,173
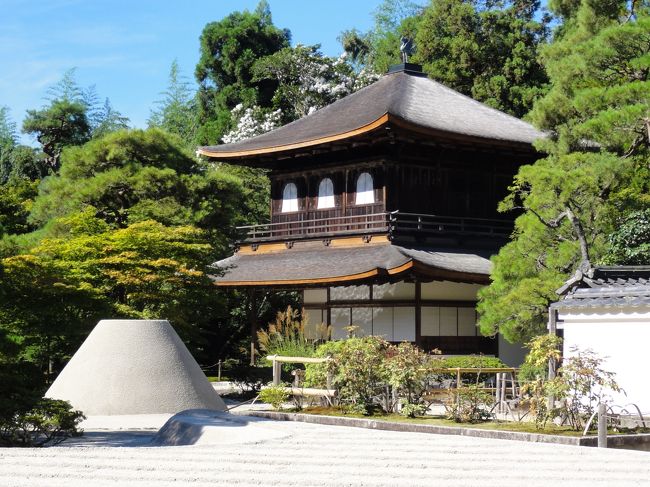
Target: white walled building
x,y
608,311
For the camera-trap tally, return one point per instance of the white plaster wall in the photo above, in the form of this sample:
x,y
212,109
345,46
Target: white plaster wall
x,y
624,339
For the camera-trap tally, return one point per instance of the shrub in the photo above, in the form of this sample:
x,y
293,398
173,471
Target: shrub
x,y
275,395
316,374
249,377
469,362
585,384
409,371
358,370
580,385
50,421
469,404
411,410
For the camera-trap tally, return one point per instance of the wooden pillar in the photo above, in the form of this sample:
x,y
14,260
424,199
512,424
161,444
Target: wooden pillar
x,y
252,318
552,329
418,313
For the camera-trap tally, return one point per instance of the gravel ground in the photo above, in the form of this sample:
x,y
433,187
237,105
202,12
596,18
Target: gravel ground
x,y
306,455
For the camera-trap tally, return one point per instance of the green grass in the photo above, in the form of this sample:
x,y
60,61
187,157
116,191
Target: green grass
x,y
521,427
214,378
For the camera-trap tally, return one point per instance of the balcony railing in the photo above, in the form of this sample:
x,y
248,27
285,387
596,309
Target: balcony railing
x,y
394,223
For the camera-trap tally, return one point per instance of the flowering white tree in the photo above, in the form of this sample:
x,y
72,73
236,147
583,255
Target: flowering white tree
x,y
307,81
251,122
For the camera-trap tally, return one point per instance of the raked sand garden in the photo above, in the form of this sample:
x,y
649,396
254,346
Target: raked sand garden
x,y
252,451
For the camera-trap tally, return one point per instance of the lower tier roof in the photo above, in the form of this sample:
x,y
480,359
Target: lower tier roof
x,y
316,264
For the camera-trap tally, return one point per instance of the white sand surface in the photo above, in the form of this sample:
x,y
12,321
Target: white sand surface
x,y
314,455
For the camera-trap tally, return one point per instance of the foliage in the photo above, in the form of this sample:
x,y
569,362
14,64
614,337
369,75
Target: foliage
x,y
16,198
488,52
61,124
596,168
108,120
307,80
229,48
138,175
542,349
393,19
50,421
468,362
287,335
61,287
21,382
316,374
248,377
409,372
585,385
358,369
580,385
275,395
629,244
251,122
411,410
176,112
469,404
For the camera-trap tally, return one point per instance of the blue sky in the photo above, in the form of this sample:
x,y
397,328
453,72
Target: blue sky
x,y
125,48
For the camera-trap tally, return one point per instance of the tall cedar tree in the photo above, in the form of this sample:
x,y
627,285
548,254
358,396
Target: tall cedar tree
x,y
229,48
597,113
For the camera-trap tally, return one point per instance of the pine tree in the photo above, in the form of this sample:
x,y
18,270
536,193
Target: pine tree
x,y
597,113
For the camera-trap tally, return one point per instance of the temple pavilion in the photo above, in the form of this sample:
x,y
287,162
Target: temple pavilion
x,y
384,211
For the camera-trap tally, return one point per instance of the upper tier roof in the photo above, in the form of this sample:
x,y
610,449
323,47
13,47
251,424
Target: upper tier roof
x,y
405,98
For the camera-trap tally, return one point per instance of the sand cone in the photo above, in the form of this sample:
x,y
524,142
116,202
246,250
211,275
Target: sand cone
x,y
134,367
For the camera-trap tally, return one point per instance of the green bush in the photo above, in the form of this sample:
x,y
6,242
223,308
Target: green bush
x,y
50,421
275,395
316,374
359,370
411,410
250,377
409,371
469,404
469,362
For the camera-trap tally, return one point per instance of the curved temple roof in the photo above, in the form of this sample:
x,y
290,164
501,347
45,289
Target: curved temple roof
x,y
404,98
316,264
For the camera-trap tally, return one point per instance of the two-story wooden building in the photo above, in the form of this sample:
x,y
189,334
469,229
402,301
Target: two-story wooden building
x,y
384,210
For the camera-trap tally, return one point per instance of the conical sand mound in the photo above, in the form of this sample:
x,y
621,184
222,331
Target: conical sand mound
x,y
134,367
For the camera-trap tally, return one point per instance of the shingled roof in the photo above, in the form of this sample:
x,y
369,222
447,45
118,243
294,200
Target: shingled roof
x,y
407,98
313,263
608,287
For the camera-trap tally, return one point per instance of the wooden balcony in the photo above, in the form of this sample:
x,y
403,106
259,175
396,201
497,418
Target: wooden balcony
x,y
395,224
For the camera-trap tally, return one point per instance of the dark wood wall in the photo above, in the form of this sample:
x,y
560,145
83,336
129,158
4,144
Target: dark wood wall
x,y
344,180
427,180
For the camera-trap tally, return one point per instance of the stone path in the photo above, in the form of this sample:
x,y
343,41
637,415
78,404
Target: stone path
x,y
307,455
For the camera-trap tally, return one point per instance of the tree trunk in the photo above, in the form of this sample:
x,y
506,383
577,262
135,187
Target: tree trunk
x,y
585,263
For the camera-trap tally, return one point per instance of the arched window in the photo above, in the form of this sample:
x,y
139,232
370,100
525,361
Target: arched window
x,y
325,194
289,198
365,189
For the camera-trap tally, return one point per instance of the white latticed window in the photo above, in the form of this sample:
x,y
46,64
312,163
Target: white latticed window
x,y
289,198
365,189
325,194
